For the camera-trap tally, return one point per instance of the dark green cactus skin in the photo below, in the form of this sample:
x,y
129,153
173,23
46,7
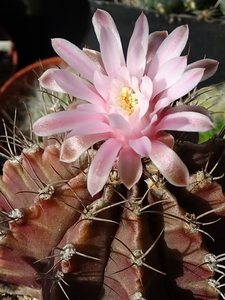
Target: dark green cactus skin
x,y
147,243
162,6
184,6
194,4
222,6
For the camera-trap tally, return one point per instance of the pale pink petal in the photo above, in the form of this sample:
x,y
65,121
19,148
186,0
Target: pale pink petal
x,y
166,139
169,164
141,146
185,121
140,34
123,76
149,130
78,87
144,95
88,108
76,103
143,103
57,122
184,85
169,73
102,84
154,41
67,120
117,121
129,166
96,57
146,87
191,108
137,48
90,125
102,165
161,104
74,57
74,146
109,51
171,47
210,66
47,81
136,61
103,19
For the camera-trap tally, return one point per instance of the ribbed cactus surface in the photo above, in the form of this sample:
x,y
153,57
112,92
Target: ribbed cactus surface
x,y
152,242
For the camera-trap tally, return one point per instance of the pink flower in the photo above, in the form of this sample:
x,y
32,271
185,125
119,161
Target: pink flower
x,y
126,103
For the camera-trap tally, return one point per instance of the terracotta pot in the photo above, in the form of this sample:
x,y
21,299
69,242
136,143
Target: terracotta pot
x,y
25,82
20,93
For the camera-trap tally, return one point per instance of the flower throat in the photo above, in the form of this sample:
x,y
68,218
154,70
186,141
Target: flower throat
x,y
127,100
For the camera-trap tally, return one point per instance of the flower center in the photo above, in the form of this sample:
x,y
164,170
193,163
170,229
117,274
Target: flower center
x,y
127,100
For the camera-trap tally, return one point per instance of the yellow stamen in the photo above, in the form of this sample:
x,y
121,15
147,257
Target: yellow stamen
x,y
127,100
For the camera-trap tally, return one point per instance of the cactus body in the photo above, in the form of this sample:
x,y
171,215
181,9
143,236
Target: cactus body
x,y
167,7
193,4
144,244
222,6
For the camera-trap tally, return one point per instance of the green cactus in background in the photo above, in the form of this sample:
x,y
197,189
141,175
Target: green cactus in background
x,y
222,6
167,7
193,4
208,9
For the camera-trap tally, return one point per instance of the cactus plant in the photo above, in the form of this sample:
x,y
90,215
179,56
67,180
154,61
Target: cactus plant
x,y
209,10
103,207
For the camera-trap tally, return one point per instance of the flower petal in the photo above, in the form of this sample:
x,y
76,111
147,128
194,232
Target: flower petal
x,y
185,121
191,108
118,122
103,19
74,57
78,87
137,48
169,164
102,84
88,108
109,51
96,57
184,85
144,95
74,146
171,47
141,146
163,79
88,126
161,104
140,34
48,82
57,122
129,166
136,61
166,139
102,165
68,120
210,66
154,41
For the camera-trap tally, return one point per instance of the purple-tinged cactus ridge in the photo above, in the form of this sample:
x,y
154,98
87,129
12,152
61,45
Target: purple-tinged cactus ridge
x,y
141,243
127,101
